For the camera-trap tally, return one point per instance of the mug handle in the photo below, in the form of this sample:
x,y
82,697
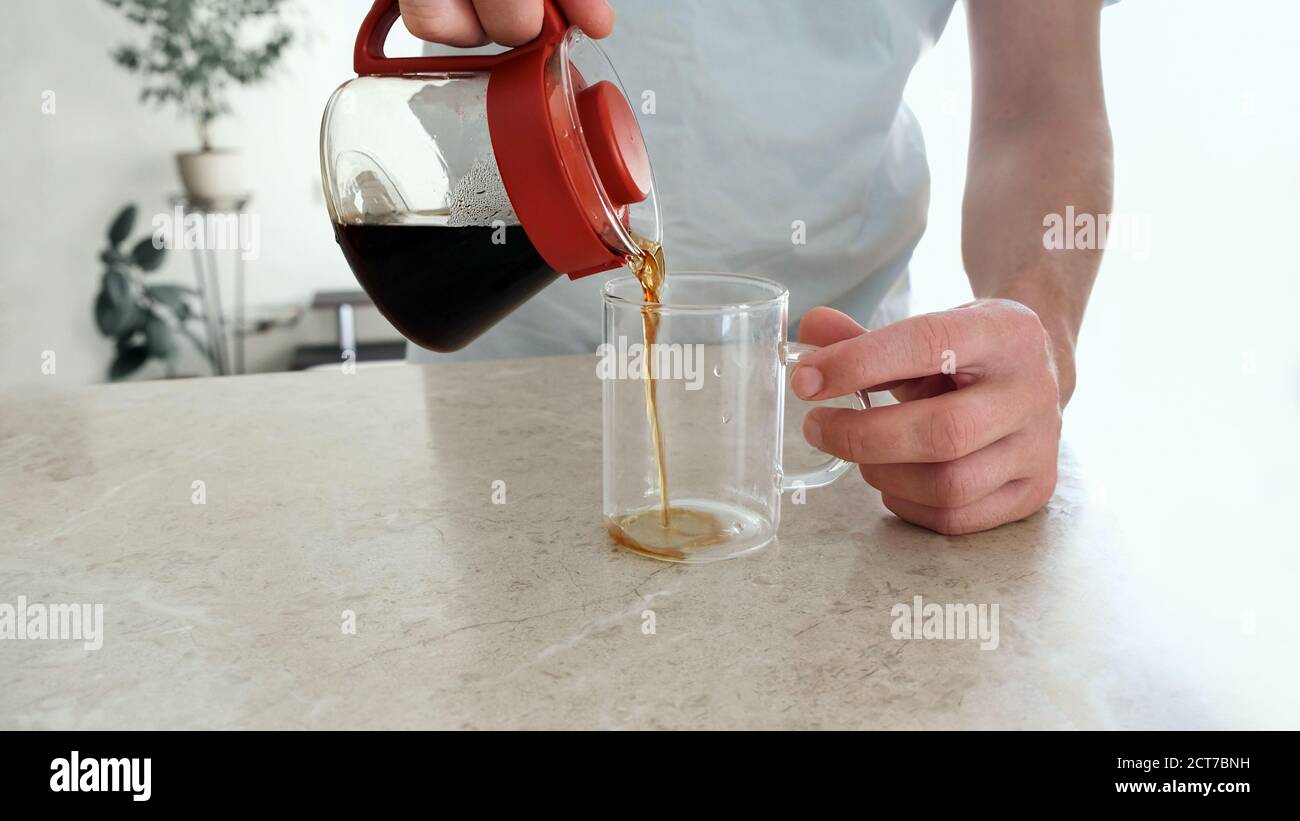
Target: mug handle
x,y
835,467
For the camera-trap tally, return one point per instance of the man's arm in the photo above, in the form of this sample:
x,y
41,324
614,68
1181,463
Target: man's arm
x,y
1039,141
973,443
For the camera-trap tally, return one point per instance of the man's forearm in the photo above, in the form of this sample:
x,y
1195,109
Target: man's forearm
x,y
1040,143
1017,176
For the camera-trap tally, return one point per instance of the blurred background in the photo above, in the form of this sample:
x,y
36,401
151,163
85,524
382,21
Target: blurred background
x,y
79,145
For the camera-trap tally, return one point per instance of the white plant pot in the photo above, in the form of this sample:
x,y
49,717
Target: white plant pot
x,y
214,178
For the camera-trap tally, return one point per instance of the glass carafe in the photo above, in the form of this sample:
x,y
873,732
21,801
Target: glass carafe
x,y
461,186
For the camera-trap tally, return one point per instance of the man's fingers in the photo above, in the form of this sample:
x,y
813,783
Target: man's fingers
x,y
821,327
825,326
914,347
510,22
466,23
910,390
960,482
940,429
1009,503
961,340
451,22
594,17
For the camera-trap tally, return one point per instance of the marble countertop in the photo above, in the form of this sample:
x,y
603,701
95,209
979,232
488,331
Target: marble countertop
x,y
347,567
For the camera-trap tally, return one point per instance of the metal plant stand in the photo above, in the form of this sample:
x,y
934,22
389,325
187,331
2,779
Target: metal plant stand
x,y
207,275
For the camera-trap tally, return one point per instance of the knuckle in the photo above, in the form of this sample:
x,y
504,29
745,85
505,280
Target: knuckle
x,y
1047,390
950,435
950,522
429,21
1014,310
851,444
934,337
1037,496
955,484
514,24
1047,488
423,27
859,368
1028,331
870,475
1056,419
846,366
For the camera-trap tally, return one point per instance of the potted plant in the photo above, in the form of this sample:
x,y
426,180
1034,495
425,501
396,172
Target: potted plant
x,y
143,320
195,50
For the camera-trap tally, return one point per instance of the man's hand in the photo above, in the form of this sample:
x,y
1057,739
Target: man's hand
x,y
508,22
973,442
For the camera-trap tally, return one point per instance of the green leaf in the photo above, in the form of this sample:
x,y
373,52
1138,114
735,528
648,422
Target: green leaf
x,y
112,257
176,297
147,256
117,286
162,343
121,226
128,362
192,51
114,315
128,319
108,314
116,311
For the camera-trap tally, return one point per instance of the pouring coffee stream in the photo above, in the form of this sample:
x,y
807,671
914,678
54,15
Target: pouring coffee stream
x,y
666,532
649,270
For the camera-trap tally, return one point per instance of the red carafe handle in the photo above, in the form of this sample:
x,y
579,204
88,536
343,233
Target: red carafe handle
x,y
368,57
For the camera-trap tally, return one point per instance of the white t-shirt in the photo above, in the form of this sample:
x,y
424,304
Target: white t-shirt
x,y
768,115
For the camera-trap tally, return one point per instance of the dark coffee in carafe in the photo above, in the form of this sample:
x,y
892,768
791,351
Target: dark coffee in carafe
x,y
443,286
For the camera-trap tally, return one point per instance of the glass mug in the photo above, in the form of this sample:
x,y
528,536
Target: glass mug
x,y
719,360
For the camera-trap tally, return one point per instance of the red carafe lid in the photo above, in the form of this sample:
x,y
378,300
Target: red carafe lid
x,y
566,141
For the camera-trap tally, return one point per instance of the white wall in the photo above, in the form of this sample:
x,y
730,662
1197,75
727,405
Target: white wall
x,y
1206,118
1187,413
65,175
